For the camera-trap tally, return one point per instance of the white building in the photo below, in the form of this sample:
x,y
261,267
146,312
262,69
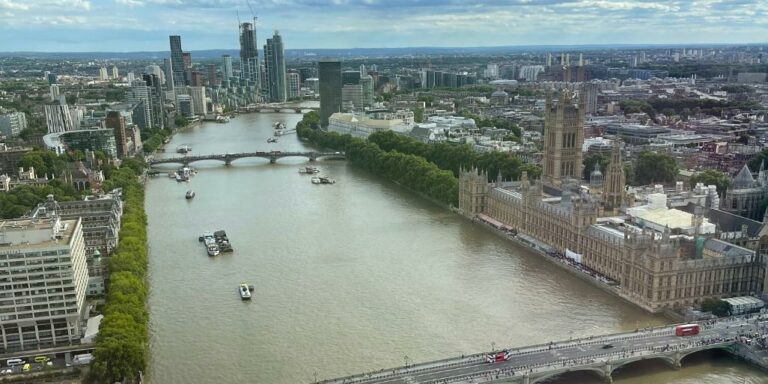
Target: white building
x,y
198,99
58,118
55,93
13,123
530,72
44,282
361,125
115,74
103,75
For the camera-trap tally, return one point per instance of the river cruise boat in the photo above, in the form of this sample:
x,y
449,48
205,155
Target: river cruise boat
x,y
245,291
190,194
309,170
183,149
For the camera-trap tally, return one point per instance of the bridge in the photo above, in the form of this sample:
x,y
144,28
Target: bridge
x,y
228,158
277,108
600,355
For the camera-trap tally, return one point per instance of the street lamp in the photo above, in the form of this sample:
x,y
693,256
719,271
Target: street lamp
x,y
406,361
493,346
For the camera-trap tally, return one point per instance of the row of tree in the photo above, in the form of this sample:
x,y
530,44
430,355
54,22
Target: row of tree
x,y
21,200
121,344
155,139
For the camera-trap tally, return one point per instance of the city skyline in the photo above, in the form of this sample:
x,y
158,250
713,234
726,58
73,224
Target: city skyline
x,y
143,25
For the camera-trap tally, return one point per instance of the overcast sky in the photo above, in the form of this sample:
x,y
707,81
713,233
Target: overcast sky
x,y
144,25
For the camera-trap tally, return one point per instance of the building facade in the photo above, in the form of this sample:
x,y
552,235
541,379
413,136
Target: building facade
x,y
45,282
745,194
274,63
294,85
177,63
11,124
330,89
563,138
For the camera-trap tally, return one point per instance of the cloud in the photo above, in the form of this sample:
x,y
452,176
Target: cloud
x,y
10,4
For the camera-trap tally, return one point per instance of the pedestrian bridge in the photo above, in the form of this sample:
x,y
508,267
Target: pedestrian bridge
x,y
228,158
599,355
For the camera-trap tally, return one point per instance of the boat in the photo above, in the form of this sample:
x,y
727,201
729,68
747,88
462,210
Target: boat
x,y
190,194
326,180
178,178
279,125
184,149
172,175
315,180
221,239
309,170
272,140
212,249
245,291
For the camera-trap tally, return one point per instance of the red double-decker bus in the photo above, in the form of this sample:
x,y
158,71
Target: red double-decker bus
x,y
687,330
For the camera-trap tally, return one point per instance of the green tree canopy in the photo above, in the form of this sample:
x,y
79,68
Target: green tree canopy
x,y
712,177
652,167
718,307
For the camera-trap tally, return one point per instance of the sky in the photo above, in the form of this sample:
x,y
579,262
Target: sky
x,y
144,25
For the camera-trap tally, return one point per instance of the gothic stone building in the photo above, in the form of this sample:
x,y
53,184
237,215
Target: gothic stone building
x,y
655,270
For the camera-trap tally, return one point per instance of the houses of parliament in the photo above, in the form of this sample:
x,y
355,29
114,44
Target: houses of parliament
x,y
656,257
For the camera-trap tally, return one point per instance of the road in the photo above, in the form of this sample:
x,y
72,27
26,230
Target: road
x,y
563,354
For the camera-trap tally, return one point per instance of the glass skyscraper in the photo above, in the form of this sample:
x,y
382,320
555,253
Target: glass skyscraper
x,y
177,62
330,89
249,56
274,60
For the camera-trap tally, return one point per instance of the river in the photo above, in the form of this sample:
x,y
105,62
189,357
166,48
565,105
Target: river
x,y
350,277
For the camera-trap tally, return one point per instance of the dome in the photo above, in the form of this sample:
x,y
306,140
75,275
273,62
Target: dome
x,y
499,93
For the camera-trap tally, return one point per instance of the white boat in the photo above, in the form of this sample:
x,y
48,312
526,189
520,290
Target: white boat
x,y
245,292
271,140
190,194
212,249
315,180
308,170
279,125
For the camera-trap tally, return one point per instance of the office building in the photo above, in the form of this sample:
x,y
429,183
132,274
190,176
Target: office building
x,y
350,77
184,105
11,124
313,84
44,282
294,85
213,80
197,95
274,65
167,73
51,77
352,97
366,82
330,89
590,91
103,74
177,62
152,70
156,106
83,140
140,94
131,77
115,74
116,122
226,67
195,79
249,57
563,138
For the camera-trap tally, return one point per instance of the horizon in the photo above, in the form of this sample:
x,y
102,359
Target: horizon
x,y
51,26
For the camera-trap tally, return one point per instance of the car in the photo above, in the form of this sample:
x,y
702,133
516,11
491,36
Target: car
x,y
42,359
6,371
27,367
607,346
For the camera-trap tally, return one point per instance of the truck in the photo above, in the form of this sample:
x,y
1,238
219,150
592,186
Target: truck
x,y
83,359
687,329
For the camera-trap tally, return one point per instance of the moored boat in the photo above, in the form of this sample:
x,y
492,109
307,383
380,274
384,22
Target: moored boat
x,y
190,194
245,291
315,180
309,170
212,249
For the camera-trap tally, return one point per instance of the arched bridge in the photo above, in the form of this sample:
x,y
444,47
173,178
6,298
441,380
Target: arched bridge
x,y
601,356
228,158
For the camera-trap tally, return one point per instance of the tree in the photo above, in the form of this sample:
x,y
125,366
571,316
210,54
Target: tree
x,y
718,307
418,115
712,177
652,167
180,121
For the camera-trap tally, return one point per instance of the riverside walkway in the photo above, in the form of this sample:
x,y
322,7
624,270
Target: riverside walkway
x,y
742,336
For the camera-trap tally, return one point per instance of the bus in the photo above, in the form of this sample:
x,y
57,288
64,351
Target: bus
x,y
687,330
498,357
